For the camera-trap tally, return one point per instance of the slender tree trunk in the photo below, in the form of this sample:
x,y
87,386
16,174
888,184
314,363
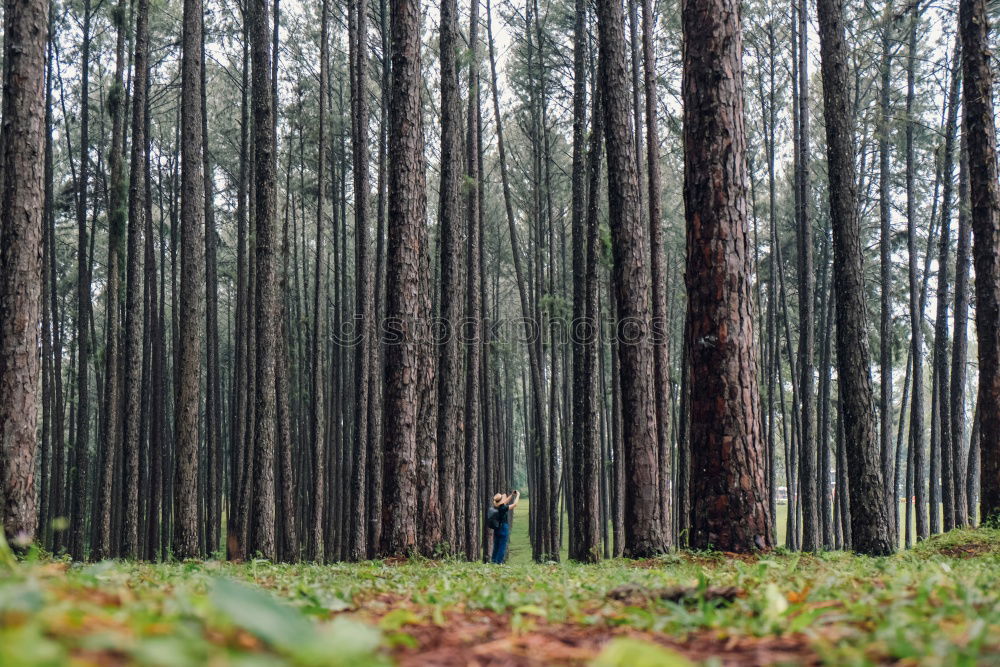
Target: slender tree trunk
x,y
586,532
236,547
80,455
869,518
473,304
364,294
57,487
916,330
317,423
941,385
644,531
661,332
213,382
136,293
452,303
265,286
592,369
885,267
110,409
49,404
960,344
973,470
536,433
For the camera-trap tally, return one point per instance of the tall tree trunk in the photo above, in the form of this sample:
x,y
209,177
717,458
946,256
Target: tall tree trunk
x,y
110,409
981,131
213,382
136,293
592,368
265,286
807,286
452,303
585,531
644,532
80,455
240,457
473,303
729,501
869,517
960,343
57,486
916,312
49,314
407,211
661,331
192,264
885,268
536,436
22,144
941,385
364,294
429,518
317,423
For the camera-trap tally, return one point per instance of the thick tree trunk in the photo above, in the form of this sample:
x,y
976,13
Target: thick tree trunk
x,y
869,517
22,145
729,501
981,131
407,211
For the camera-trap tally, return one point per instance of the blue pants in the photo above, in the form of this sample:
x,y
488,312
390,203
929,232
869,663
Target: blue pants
x,y
501,536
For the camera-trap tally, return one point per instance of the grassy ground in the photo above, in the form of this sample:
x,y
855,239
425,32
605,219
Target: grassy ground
x,y
520,545
938,604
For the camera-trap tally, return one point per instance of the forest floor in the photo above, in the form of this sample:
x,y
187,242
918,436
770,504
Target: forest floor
x,y
937,604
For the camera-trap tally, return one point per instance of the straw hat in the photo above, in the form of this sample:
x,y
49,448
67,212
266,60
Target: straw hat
x,y
498,500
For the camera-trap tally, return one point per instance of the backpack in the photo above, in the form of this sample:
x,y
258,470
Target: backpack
x,y
493,518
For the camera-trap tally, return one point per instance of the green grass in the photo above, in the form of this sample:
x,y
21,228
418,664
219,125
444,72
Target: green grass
x,y
937,604
520,544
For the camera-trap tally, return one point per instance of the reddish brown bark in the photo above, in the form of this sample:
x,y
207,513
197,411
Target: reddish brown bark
x,y
729,501
407,210
22,143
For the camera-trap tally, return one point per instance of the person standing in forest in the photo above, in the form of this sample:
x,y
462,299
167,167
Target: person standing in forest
x,y
498,519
